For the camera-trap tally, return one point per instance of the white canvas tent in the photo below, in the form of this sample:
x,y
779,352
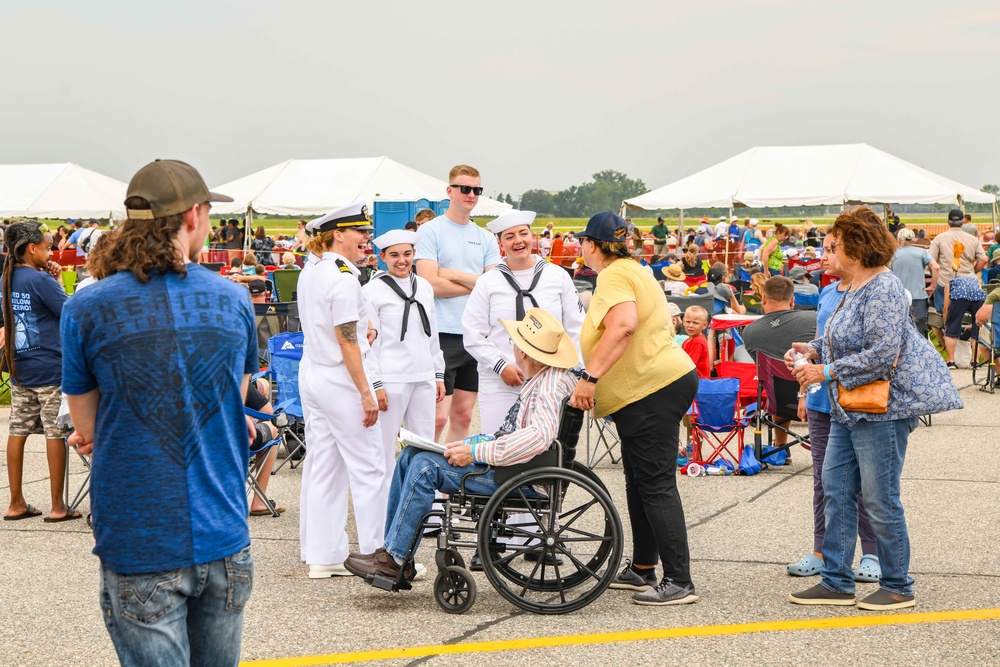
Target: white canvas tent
x,y
59,191
774,176
314,187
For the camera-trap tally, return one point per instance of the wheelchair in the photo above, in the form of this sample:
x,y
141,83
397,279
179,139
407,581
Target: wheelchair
x,y
549,538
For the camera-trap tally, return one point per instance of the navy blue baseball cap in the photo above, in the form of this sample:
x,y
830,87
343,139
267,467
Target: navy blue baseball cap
x,y
605,226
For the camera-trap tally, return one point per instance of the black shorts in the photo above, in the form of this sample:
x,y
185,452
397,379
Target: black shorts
x,y
255,400
956,310
263,436
460,368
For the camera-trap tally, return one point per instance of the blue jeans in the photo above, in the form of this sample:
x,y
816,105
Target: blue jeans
x,y
191,616
418,474
868,458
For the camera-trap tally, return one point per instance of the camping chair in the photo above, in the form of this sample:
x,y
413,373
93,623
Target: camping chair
x,y
84,489
985,353
747,375
285,283
284,353
605,444
778,404
752,303
716,419
257,457
273,319
806,301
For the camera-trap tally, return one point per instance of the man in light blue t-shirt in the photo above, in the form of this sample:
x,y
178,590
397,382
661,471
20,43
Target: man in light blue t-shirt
x,y
908,264
451,254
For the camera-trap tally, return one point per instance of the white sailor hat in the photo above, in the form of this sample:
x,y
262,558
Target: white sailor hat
x,y
352,216
508,219
395,237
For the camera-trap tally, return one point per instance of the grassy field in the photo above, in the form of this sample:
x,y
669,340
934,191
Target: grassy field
x,y
283,226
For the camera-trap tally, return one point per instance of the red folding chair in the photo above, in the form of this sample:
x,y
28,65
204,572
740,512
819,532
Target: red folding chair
x,y
747,375
777,404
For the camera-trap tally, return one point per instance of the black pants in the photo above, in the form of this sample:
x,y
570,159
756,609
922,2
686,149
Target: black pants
x,y
650,431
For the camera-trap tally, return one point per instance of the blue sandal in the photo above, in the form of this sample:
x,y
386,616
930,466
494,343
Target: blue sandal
x,y
810,565
869,570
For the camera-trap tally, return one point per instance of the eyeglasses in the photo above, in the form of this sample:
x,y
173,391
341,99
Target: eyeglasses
x,y
466,189
833,246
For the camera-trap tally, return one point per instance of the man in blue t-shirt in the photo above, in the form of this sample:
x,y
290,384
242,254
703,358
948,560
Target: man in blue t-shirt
x,y
453,251
74,238
157,358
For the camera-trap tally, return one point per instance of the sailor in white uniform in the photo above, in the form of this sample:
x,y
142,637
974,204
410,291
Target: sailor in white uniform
x,y
407,350
339,402
521,281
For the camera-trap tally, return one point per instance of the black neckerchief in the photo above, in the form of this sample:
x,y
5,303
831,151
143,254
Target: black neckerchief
x,y
408,300
521,293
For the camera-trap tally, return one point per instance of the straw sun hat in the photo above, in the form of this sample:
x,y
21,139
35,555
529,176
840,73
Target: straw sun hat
x,y
540,336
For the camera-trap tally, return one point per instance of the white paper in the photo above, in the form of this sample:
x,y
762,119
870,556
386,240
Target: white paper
x,y
413,440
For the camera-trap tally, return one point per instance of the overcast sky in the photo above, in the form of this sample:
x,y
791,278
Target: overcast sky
x,y
535,94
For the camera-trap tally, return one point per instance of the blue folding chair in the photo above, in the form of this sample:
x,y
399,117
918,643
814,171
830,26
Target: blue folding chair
x,y
985,353
258,455
284,354
806,301
716,419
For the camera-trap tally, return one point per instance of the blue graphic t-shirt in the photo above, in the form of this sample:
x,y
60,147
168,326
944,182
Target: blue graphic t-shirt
x,y
36,305
170,442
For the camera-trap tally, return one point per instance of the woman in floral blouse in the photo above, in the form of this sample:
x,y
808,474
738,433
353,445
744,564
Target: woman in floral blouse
x,y
868,332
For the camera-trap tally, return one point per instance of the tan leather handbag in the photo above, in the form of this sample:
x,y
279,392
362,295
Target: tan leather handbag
x,y
872,397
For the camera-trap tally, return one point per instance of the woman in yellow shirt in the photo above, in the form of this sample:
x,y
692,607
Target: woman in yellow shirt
x,y
637,374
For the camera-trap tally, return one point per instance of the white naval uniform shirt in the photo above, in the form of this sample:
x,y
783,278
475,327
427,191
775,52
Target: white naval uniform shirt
x,y
493,299
416,358
328,297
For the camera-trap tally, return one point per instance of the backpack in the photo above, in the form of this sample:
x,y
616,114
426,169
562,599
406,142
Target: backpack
x,y
87,240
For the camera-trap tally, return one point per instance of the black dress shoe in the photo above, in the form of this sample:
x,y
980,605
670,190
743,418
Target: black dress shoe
x,y
476,564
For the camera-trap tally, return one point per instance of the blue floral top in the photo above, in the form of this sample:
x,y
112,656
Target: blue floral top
x,y
867,332
966,287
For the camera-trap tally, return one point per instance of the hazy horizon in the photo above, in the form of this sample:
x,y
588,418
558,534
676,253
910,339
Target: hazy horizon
x,y
535,96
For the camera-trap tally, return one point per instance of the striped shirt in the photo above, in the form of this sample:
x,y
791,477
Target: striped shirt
x,y
537,422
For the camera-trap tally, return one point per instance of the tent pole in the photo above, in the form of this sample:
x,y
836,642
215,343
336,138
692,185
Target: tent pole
x,y
680,228
725,239
247,226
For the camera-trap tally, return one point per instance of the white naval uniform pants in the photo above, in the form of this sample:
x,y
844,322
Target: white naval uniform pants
x,y
340,452
411,404
495,401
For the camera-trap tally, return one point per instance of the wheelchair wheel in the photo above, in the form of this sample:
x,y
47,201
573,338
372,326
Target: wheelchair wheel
x,y
576,523
455,589
445,558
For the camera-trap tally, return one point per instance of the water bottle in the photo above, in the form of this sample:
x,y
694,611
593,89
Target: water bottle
x,y
799,359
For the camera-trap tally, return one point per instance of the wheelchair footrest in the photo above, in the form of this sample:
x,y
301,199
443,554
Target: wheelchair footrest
x,y
387,584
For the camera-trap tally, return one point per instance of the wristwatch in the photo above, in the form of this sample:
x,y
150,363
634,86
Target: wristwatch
x,y
587,377
801,394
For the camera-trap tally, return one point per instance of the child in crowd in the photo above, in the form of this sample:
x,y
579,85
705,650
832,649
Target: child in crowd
x,y
250,264
32,355
696,345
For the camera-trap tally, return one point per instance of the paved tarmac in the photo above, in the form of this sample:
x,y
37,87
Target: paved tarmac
x,y
743,530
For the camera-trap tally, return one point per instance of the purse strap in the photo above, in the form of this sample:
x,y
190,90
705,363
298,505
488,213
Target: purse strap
x,y
829,336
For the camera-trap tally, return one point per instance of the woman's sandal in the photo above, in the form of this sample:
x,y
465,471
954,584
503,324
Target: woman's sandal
x,y
810,565
869,570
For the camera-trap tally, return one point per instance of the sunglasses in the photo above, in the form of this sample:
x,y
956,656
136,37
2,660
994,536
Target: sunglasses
x,y
466,189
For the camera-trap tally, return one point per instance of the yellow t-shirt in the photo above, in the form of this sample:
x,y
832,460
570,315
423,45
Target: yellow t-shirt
x,y
652,359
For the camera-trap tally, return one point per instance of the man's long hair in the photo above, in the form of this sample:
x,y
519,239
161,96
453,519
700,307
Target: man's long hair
x,y
140,246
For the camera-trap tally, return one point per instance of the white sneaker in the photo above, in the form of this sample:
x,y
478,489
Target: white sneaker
x,y
421,571
327,571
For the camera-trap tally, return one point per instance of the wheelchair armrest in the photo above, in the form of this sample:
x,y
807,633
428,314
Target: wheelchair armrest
x,y
547,459
479,472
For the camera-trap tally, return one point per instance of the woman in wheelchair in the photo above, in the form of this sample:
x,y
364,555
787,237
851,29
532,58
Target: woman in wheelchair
x,y
543,351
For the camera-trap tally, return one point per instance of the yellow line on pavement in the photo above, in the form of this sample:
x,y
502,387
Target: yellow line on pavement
x,y
634,635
